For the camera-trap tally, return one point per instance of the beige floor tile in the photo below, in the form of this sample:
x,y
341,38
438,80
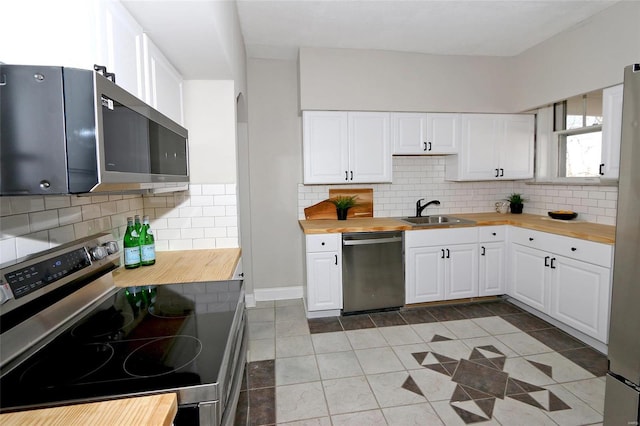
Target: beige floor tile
x,y
590,391
562,369
367,338
330,342
337,365
293,346
451,418
389,391
496,325
297,369
378,360
300,401
579,414
429,331
369,418
405,354
400,335
412,415
321,421
509,411
465,329
349,395
261,350
523,344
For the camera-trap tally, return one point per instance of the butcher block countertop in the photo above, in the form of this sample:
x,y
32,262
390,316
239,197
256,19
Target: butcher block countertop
x,y
573,228
184,266
153,410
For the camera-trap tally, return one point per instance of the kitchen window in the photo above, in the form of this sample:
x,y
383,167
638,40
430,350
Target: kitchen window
x,y
578,136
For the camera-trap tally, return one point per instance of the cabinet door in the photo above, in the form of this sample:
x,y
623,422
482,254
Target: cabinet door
x,y
324,281
325,147
443,133
611,131
516,146
408,133
369,147
163,82
478,159
492,269
461,280
424,274
120,42
528,277
580,296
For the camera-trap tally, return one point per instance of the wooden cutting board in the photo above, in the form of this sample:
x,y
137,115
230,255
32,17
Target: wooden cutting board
x,y
326,210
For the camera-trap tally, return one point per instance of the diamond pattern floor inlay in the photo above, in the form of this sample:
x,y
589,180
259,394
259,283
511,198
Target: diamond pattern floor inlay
x,y
481,379
472,364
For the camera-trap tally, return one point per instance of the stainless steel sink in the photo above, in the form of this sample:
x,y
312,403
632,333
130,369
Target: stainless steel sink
x,y
436,220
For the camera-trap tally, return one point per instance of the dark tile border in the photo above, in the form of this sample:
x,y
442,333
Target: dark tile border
x,y
526,322
556,339
356,322
387,319
589,359
324,325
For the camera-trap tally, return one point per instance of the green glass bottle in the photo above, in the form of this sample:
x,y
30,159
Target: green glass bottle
x,y
131,246
138,224
147,244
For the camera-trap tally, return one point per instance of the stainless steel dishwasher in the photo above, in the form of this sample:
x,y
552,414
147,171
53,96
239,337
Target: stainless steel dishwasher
x,y
372,271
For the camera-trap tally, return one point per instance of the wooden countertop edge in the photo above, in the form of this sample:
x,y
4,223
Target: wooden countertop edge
x,y
582,230
182,266
145,410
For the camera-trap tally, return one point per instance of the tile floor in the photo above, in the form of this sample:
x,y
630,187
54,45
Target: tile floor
x,y
484,363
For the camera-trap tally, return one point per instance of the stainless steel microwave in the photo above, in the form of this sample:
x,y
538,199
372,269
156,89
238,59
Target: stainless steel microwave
x,y
72,131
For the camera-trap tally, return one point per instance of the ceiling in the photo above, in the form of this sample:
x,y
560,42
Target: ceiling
x,y
184,29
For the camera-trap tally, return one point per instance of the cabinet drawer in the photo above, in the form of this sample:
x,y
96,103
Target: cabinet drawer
x,y
586,251
574,248
322,242
491,233
435,237
533,239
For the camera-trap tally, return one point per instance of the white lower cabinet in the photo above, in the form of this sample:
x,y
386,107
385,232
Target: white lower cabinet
x,y
324,272
492,266
566,278
528,278
441,264
580,296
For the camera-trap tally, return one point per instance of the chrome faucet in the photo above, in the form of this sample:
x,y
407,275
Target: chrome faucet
x,y
419,207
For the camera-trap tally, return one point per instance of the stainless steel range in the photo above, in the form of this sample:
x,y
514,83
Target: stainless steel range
x,y
68,335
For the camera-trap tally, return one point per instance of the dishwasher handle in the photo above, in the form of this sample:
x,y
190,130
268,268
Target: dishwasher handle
x,y
371,241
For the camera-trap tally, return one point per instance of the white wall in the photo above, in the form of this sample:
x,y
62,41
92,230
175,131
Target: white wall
x,y
375,80
209,109
590,56
275,162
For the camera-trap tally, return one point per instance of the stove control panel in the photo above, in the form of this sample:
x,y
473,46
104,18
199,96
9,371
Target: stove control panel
x,y
26,280
59,265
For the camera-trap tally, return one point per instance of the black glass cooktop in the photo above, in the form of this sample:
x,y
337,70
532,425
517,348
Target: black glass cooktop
x,y
141,339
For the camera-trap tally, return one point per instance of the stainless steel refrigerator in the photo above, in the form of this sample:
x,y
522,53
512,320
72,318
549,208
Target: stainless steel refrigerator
x,y
622,397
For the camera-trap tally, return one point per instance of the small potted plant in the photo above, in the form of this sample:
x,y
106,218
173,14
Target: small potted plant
x,y
343,204
515,202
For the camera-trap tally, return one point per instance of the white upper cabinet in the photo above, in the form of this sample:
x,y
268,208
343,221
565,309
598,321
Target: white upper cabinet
x,y
493,146
346,147
163,82
425,133
83,33
611,131
120,43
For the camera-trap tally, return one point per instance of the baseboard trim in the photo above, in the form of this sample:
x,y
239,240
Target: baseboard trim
x,y
250,300
276,293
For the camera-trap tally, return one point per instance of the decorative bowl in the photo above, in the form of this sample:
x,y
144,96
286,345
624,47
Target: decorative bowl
x,y
563,214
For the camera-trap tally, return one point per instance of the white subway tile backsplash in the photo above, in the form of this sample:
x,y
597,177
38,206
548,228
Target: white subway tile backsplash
x,y
7,250
201,200
61,235
14,226
91,211
224,200
215,232
180,244
167,212
56,202
77,200
26,204
213,189
192,233
32,243
423,177
179,222
191,212
46,219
